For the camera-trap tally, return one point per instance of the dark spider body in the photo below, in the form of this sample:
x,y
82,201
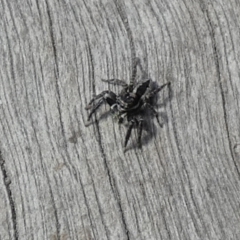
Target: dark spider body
x,y
129,104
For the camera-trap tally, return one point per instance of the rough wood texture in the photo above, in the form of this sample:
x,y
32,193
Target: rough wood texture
x,y
62,180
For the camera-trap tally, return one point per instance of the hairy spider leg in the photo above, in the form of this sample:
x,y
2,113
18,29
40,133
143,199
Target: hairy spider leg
x,y
140,126
128,133
106,96
134,74
150,95
115,81
95,107
154,92
95,98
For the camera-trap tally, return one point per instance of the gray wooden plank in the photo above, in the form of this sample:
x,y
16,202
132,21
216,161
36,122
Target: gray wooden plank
x,y
63,180
6,210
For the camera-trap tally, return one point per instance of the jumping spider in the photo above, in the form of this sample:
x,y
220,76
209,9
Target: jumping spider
x,y
129,105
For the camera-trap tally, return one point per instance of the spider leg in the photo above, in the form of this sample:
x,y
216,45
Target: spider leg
x,y
128,133
121,117
95,98
136,61
95,107
140,126
106,96
155,91
115,81
155,113
149,95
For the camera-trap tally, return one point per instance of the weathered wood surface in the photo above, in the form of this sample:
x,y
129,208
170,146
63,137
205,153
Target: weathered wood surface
x,y
62,180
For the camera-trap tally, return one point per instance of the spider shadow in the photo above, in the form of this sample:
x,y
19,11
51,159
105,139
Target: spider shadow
x,y
150,130
150,125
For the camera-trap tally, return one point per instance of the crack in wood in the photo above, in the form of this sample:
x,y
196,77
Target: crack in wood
x,y
7,183
216,57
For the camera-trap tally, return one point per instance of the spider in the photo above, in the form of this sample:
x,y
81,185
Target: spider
x,y
129,105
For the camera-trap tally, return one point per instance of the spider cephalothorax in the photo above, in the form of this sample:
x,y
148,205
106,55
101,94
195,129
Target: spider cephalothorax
x,y
129,104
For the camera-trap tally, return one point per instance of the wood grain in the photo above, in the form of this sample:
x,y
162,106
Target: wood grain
x,y
62,180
